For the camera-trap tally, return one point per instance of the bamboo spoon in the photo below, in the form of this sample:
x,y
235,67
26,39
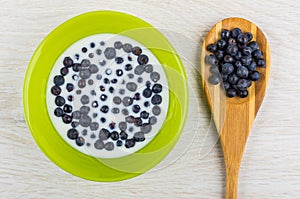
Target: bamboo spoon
x,y
234,116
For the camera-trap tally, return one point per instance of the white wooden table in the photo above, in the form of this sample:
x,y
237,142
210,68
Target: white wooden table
x,y
194,169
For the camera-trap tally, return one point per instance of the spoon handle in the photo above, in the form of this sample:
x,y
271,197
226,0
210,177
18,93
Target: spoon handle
x,y
232,183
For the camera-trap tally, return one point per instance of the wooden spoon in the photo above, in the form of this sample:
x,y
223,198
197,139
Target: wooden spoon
x,y
234,116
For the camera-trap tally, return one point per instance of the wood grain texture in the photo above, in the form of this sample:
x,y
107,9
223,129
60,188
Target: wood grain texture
x,y
234,117
195,168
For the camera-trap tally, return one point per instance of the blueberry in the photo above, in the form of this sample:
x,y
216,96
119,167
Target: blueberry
x,y
103,97
76,114
109,146
144,114
211,59
228,59
102,88
242,45
224,77
112,125
60,101
74,124
257,54
114,135
64,71
117,100
242,38
102,119
111,89
59,80
108,71
127,101
242,84
246,60
131,86
236,32
148,68
142,59
232,78
110,53
148,84
85,120
99,144
129,119
85,63
56,90
232,41
253,45
115,110
152,120
72,134
214,69
147,104
70,87
136,51
138,121
255,76
70,98
219,55
227,68
137,96
94,104
68,62
214,79
212,48
147,93
93,69
136,108
231,92
226,85
92,44
104,109
67,108
156,88
247,50
114,81
252,66
128,67
122,126
104,134
249,36
127,47
261,63
84,99
119,60
156,99
125,111
242,72
238,64
129,143
81,83
118,45
58,112
156,110
67,118
76,67
243,93
238,56
84,49
225,34
119,72
98,51
139,137
80,141
221,43
232,50
119,143
84,110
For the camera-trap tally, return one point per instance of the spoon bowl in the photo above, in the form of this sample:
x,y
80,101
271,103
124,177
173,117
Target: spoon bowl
x,y
234,117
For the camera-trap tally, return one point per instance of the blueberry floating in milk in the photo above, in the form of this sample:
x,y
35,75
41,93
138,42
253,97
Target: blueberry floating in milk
x,y
107,95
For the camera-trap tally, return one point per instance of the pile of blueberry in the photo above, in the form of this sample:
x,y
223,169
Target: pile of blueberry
x,y
233,61
91,116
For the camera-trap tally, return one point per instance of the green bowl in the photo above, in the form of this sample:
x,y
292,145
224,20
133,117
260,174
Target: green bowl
x,y
35,85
